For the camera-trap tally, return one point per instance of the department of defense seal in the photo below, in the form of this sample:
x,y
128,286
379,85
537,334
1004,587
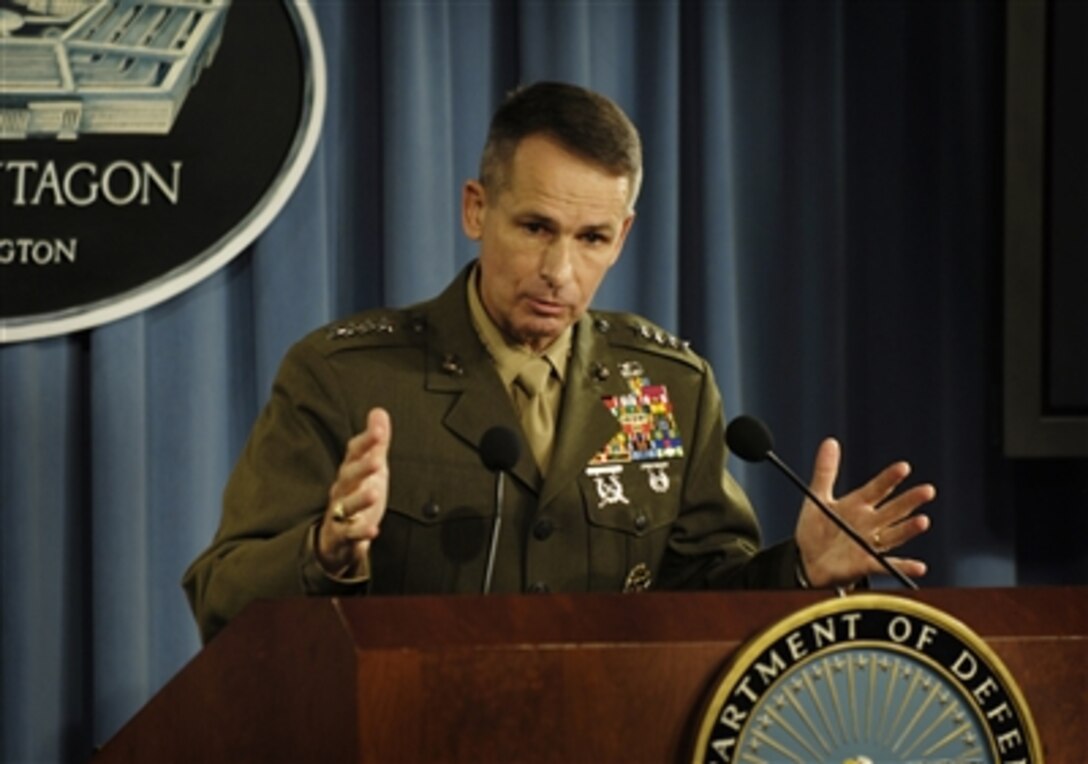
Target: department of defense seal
x,y
867,678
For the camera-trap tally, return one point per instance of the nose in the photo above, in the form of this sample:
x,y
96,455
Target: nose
x,y
556,265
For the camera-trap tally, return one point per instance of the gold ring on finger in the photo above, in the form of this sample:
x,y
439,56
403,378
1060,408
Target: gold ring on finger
x,y
338,512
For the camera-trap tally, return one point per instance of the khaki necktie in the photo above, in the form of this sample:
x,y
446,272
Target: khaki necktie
x,y
537,417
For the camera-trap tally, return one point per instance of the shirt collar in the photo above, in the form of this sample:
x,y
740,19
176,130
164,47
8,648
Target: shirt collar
x,y
510,357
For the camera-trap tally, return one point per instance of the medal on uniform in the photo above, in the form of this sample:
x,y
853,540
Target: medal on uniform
x,y
609,487
657,475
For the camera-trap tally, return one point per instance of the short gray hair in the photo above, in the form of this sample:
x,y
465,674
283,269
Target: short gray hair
x,y
584,122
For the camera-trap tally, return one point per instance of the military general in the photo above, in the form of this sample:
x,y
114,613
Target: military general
x,y
363,472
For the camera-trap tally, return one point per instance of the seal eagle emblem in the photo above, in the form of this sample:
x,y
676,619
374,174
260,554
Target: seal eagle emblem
x,y
862,679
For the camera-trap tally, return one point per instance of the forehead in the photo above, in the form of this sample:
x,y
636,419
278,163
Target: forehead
x,y
544,173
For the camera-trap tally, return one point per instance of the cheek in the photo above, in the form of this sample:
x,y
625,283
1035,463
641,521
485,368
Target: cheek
x,y
500,284
504,252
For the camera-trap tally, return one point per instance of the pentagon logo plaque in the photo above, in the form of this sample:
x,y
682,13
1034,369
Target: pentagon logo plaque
x,y
143,144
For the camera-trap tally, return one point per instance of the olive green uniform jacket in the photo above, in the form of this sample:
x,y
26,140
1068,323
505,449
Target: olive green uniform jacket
x,y
673,519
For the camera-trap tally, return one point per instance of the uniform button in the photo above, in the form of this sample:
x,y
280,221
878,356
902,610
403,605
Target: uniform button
x,y
542,529
539,587
641,522
431,510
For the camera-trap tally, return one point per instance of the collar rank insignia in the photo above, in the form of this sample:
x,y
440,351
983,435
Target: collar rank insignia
x,y
648,430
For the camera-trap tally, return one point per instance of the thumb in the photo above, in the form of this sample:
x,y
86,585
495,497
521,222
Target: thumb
x,y
379,423
825,471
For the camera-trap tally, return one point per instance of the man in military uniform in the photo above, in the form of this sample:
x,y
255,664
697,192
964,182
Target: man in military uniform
x,y
623,485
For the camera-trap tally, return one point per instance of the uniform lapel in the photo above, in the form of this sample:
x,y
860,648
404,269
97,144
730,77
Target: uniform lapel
x,y
483,405
458,363
585,425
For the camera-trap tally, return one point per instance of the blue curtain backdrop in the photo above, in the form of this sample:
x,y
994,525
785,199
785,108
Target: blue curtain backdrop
x,y
821,217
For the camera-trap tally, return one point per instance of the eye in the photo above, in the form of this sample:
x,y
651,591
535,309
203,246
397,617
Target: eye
x,y
594,237
533,227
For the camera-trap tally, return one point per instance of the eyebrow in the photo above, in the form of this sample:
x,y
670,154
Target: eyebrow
x,y
539,217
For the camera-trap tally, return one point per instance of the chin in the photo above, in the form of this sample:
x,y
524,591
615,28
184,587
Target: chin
x,y
539,333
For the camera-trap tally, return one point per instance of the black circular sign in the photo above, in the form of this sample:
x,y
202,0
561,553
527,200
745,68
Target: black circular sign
x,y
142,146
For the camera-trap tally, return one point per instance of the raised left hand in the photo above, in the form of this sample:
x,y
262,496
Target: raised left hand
x,y
829,556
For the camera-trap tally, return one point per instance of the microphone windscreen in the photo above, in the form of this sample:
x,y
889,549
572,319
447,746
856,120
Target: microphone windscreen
x,y
500,448
749,438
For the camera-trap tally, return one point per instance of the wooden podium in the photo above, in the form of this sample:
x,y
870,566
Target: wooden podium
x,y
557,678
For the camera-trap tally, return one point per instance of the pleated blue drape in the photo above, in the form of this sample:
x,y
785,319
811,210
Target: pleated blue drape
x,y
821,216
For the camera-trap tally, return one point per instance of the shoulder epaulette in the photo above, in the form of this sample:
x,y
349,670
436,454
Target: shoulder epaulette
x,y
632,331
374,328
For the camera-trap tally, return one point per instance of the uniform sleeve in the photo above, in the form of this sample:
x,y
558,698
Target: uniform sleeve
x,y
715,543
276,494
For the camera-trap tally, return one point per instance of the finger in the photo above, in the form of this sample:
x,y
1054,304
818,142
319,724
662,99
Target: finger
x,y
378,433
371,492
363,521
360,530
882,484
347,504
380,424
825,470
907,566
339,510
369,488
356,521
359,445
352,472
903,505
893,536
366,453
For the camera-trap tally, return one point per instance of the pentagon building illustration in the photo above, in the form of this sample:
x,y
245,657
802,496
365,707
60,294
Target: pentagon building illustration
x,y
77,67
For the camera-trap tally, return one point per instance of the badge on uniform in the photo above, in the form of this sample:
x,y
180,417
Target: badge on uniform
x,y
638,579
609,487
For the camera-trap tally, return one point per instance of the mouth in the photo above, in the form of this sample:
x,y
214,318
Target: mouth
x,y
544,307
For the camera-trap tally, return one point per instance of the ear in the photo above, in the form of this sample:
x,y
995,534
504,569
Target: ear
x,y
625,228
473,209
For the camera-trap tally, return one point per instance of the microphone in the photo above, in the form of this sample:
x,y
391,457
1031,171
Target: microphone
x,y
500,450
749,438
